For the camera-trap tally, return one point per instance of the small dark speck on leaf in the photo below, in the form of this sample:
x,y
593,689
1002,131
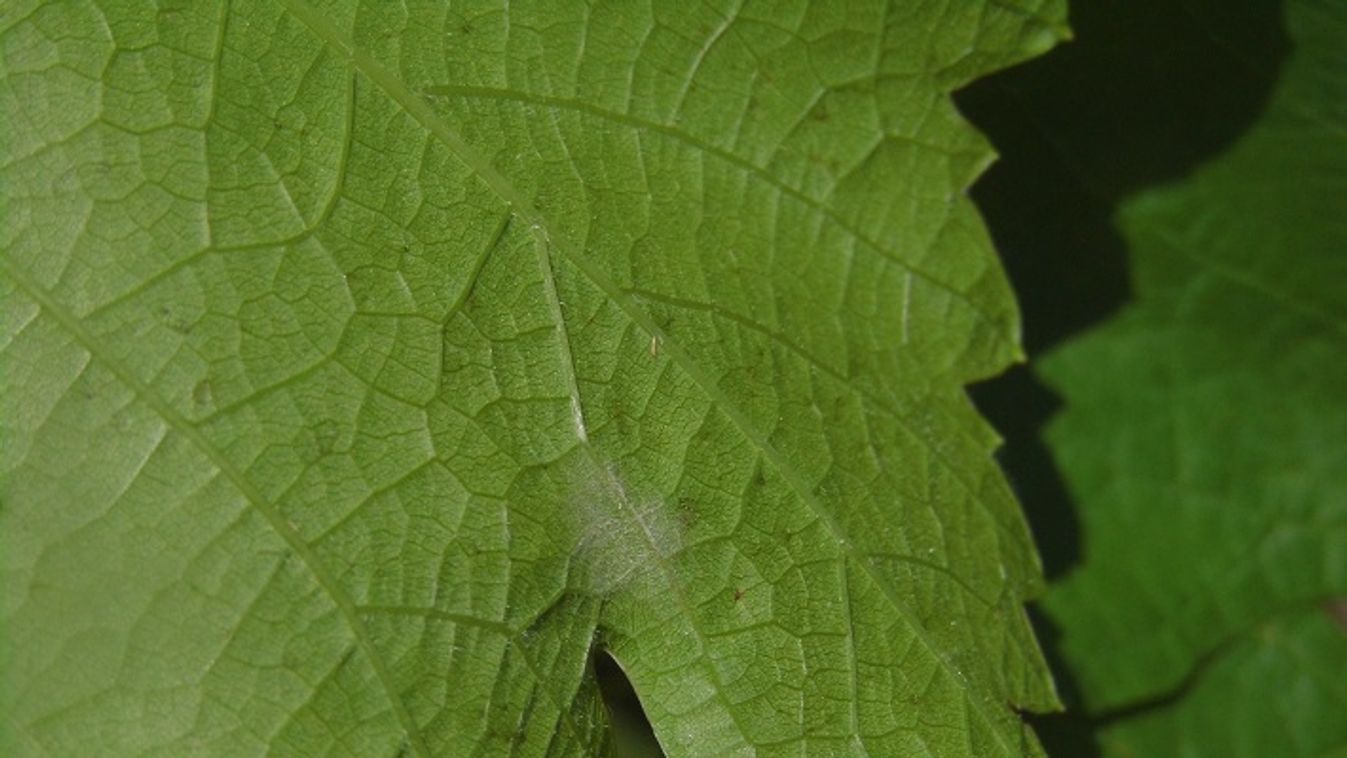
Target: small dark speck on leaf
x,y
1336,608
201,392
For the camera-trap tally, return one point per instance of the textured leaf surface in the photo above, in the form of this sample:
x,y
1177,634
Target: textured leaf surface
x,y
1206,436
367,366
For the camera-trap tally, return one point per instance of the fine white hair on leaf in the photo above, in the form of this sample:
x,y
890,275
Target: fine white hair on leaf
x,y
621,536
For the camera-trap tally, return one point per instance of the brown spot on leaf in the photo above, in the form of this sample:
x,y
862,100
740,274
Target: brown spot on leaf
x,y
1336,608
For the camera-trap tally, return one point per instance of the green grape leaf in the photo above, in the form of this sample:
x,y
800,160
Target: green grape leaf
x,y
369,366
1277,691
1203,434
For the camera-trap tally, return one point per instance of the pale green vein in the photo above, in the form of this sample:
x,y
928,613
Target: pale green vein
x,y
1240,279
435,614
854,711
542,246
564,714
277,521
752,169
887,406
475,270
310,230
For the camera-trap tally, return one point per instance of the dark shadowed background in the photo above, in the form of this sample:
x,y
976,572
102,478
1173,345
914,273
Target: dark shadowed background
x,y
1148,90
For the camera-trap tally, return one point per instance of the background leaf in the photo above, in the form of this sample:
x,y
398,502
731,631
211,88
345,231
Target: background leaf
x,y
369,366
1203,436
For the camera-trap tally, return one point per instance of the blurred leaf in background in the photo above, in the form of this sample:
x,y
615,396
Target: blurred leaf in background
x,y
1205,438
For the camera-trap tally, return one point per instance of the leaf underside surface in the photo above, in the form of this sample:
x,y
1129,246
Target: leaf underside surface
x,y
368,367
1204,437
